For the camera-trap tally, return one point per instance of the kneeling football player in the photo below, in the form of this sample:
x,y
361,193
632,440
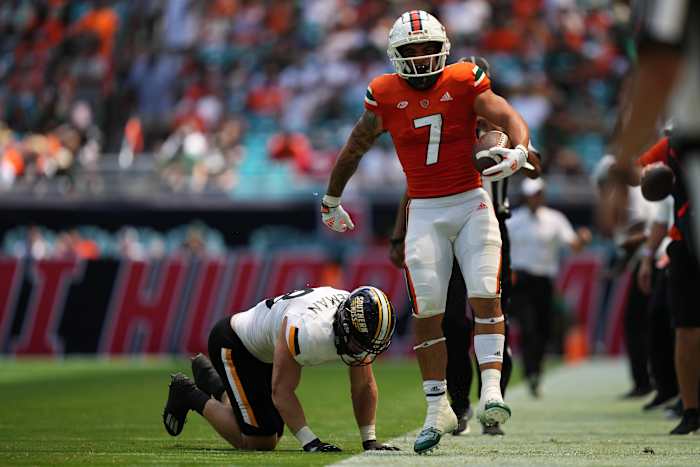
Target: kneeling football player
x,y
247,390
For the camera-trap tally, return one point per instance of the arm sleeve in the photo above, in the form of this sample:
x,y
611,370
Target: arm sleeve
x,y
664,22
657,153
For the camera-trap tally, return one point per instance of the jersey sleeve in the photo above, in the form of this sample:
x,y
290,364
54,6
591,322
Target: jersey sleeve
x,y
657,153
481,81
292,335
305,340
370,101
374,96
470,75
565,231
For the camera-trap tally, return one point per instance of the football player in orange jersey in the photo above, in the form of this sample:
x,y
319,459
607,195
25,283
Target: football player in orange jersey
x,y
430,111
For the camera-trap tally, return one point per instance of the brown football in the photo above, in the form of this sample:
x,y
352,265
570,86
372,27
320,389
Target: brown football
x,y
481,156
657,181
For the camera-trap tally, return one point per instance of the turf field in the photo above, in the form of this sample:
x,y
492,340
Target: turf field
x,y
108,412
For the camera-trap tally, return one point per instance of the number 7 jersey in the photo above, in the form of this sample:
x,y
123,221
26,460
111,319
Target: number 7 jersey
x,y
433,130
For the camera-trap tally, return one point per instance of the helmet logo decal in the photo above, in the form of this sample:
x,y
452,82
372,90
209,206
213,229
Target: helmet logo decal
x,y
357,314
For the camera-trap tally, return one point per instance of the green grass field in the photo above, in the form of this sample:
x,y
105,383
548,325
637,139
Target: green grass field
x,y
109,412
98,411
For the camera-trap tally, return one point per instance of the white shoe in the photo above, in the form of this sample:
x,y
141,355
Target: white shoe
x,y
492,412
440,419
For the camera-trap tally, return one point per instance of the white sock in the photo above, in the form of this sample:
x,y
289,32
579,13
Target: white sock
x,y
434,390
435,394
491,385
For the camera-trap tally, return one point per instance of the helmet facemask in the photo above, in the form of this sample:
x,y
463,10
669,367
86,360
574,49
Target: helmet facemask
x,y
420,66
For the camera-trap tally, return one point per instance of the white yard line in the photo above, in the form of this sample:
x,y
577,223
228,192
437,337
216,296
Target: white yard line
x,y
568,394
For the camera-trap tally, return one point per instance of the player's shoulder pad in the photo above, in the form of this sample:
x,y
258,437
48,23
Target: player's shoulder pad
x,y
379,88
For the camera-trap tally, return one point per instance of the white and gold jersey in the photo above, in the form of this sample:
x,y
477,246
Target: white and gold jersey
x,y
309,329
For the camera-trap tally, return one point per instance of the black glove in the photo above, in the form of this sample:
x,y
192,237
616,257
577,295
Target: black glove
x,y
374,445
319,446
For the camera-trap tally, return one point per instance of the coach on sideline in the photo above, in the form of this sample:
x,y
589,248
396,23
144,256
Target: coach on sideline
x,y
540,233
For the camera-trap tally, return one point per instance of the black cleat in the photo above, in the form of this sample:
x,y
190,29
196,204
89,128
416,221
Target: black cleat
x,y
206,377
493,430
533,384
637,392
690,423
463,418
178,404
658,401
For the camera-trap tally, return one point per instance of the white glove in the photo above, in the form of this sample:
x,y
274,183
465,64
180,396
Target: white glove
x,y
334,216
512,161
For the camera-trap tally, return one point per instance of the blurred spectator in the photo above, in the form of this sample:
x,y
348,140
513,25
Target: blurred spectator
x,y
185,68
87,243
291,146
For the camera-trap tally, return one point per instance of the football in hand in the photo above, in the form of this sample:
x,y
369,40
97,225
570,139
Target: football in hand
x,y
657,181
481,156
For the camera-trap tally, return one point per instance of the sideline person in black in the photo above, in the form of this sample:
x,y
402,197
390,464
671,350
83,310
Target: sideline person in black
x,y
684,277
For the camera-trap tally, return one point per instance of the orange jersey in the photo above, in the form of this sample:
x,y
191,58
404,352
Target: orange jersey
x,y
433,130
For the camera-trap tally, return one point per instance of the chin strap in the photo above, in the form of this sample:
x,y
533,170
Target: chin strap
x,y
428,343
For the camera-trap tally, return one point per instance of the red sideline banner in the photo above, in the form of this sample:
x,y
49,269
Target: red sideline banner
x,y
65,306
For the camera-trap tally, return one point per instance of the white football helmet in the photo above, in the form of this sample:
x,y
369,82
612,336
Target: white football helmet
x,y
412,27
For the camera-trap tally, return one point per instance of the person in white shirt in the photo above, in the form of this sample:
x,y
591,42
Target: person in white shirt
x,y
538,235
256,360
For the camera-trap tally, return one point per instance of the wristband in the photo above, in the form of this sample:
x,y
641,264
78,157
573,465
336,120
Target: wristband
x,y
331,201
368,433
305,436
397,240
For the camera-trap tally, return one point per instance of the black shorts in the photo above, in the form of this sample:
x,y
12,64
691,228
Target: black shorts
x,y
684,278
248,382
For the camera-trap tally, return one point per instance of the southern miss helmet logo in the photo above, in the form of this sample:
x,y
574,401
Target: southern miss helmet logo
x,y
357,314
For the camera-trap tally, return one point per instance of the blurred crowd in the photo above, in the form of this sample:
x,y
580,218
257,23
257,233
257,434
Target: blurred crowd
x,y
224,91
134,243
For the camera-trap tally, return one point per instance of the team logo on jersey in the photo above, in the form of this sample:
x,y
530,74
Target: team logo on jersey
x,y
446,97
357,314
424,103
402,105
482,205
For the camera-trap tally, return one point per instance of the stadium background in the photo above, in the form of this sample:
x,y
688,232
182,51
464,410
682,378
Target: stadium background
x,y
162,162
